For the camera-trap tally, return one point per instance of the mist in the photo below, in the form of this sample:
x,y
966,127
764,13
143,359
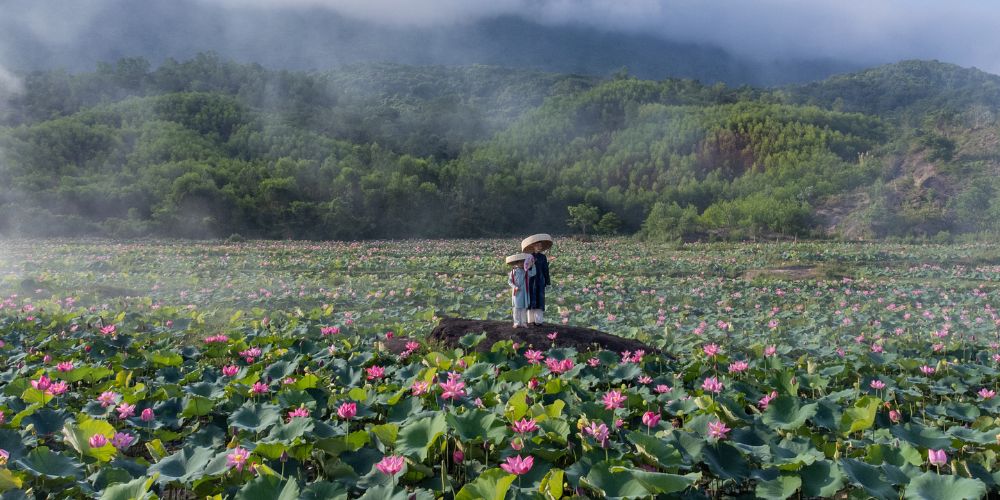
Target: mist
x,y
761,42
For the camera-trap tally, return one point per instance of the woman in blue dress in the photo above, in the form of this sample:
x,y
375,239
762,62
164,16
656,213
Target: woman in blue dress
x,y
522,269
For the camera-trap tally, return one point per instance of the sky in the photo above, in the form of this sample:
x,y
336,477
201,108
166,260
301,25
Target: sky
x,y
866,32
959,31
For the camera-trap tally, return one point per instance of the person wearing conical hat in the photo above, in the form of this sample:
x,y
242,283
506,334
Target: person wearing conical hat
x,y
522,269
537,245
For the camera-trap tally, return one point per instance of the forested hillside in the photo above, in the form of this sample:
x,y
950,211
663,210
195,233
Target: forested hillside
x,y
209,148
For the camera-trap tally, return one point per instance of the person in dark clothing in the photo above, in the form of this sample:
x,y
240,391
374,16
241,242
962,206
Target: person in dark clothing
x,y
536,245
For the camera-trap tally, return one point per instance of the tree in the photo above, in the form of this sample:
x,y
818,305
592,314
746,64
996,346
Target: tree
x,y
609,224
582,216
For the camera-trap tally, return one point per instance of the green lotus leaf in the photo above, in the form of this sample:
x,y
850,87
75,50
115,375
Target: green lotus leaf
x,y
268,487
615,481
785,413
43,462
490,485
931,485
918,435
868,477
860,416
416,438
666,455
726,461
137,489
822,478
186,465
781,487
255,417
477,425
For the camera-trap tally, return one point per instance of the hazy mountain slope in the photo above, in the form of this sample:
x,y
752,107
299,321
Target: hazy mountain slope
x,y
207,147
323,40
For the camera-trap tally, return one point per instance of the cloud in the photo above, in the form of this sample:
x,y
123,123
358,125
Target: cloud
x,y
962,31
859,31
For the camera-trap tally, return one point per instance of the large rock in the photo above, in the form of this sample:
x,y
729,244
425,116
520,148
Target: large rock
x,y
450,330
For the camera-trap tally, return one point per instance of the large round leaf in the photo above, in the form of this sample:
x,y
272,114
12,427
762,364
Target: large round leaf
x,y
268,487
492,484
779,488
415,439
255,417
932,486
184,466
44,462
785,413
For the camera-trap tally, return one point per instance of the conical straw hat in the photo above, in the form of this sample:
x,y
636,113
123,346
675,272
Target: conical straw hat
x,y
517,258
543,238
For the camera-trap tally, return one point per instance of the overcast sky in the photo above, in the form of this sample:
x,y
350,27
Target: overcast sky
x,y
965,32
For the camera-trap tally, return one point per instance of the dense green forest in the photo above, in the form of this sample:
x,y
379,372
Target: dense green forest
x,y
210,148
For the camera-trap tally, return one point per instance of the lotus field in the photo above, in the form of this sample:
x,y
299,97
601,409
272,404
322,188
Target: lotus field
x,y
266,370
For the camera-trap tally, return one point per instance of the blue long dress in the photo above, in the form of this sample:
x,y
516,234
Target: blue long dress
x,y
516,279
538,282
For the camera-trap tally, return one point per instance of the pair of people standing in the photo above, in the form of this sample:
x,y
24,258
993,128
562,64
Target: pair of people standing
x,y
528,278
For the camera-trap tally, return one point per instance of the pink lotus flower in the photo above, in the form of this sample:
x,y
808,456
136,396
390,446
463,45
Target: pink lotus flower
x,y
987,393
58,388
600,432
420,387
390,465
107,398
458,456
453,388
593,362
937,457
552,336
259,388
4,457
375,372
147,415
298,412
122,440
613,399
534,357
877,385
557,367
894,416
108,330
347,411
710,350
662,388
42,384
238,458
97,441
329,330
712,384
645,379
770,350
738,366
65,366
524,425
650,419
766,400
717,430
517,444
125,410
517,465
230,370
927,370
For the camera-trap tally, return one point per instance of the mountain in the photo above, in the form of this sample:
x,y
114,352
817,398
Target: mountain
x,y
208,147
319,39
